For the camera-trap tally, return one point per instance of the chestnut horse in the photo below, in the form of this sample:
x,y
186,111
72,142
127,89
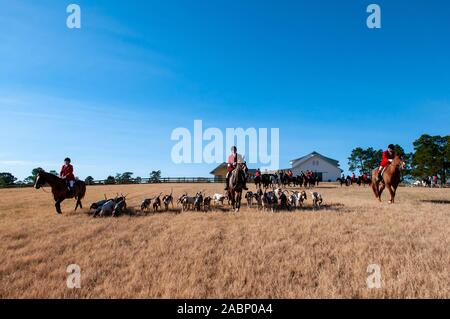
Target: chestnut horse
x,y
235,187
391,179
59,189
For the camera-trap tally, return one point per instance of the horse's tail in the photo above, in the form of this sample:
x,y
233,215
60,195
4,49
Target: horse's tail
x,y
82,192
374,183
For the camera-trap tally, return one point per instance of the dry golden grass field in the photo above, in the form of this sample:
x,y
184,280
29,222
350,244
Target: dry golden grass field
x,y
219,254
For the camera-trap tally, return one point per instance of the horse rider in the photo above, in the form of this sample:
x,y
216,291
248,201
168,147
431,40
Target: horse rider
x,y
234,160
258,173
67,175
387,157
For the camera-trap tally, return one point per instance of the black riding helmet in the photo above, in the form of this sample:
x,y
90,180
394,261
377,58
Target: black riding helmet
x,y
391,146
67,160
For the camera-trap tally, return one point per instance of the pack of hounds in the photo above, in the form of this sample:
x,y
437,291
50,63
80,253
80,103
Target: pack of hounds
x,y
270,201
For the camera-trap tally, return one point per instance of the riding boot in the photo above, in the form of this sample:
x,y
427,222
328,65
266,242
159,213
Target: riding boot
x,y
70,192
227,179
380,176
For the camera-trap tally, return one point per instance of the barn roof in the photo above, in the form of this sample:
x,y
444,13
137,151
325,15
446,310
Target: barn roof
x,y
306,157
223,165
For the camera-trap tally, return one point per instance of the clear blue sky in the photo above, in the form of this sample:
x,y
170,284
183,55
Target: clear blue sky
x,y
110,94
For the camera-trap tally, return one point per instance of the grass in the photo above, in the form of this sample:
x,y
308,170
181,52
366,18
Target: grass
x,y
219,254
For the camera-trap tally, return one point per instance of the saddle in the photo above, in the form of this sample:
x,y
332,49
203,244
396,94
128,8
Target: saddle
x,y
381,173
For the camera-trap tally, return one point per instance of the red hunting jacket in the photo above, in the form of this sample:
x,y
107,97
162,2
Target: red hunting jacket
x,y
386,157
67,172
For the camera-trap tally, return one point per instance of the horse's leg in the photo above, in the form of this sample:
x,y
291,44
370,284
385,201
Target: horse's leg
x,y
394,191
391,192
238,199
78,204
375,188
58,206
231,199
380,191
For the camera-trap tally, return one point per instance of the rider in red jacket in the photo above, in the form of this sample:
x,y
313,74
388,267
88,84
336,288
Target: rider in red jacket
x,y
386,158
67,173
234,160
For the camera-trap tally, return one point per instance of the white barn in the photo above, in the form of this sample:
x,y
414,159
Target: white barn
x,y
327,169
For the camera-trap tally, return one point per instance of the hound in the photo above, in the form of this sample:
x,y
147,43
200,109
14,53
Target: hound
x,y
119,208
270,201
297,198
106,209
207,203
278,192
198,201
187,202
167,199
293,199
284,204
145,205
249,196
157,203
258,198
317,199
218,198
98,204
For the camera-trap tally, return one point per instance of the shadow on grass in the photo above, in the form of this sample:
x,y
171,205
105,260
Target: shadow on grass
x,y
436,201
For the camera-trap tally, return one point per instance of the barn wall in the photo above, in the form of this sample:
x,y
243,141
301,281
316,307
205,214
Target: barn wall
x,y
329,171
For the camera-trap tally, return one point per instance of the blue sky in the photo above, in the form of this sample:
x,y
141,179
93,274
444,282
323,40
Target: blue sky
x,y
110,94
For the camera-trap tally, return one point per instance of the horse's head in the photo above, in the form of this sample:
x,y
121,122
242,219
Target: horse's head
x,y
40,179
398,161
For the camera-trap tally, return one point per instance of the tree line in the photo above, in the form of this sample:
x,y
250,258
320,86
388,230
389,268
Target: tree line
x,y
430,157
8,179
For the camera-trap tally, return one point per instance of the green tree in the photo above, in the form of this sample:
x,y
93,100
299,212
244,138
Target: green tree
x,y
29,180
110,180
138,180
54,172
126,178
89,180
7,179
364,160
430,154
155,177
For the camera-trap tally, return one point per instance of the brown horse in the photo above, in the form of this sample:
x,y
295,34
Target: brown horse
x,y
235,187
59,189
391,179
